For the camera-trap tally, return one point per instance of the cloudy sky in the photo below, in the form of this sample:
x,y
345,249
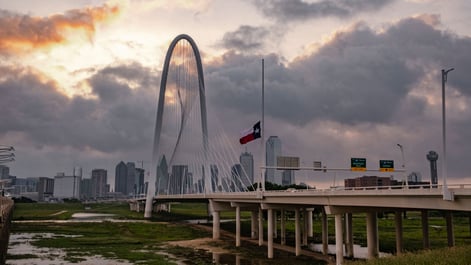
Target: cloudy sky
x,y
79,79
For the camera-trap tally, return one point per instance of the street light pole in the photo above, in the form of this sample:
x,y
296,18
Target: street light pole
x,y
403,164
447,195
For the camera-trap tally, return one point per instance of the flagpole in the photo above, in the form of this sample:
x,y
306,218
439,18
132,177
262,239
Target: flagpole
x,y
262,142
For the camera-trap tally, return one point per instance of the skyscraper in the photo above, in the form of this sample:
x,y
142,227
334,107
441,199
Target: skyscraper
x,y
67,186
288,177
246,161
139,182
215,185
162,177
236,172
4,172
273,150
130,177
99,187
121,172
45,188
178,179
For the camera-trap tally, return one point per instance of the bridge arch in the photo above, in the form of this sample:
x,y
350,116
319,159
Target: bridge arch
x,y
160,113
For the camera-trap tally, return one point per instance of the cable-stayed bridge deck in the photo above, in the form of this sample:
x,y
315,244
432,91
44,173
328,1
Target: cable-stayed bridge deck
x,y
370,197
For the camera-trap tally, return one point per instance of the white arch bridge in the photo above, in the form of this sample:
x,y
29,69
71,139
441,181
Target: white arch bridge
x,y
185,168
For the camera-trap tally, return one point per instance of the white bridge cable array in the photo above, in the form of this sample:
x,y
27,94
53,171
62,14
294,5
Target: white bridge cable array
x,y
185,163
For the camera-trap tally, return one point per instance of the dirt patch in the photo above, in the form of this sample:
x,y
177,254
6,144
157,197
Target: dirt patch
x,y
206,243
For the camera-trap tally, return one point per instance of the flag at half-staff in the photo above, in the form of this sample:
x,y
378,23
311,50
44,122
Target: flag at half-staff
x,y
251,134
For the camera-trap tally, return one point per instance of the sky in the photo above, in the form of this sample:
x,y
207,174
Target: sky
x,y
79,80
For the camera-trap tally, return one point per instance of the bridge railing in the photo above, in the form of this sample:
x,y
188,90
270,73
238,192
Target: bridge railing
x,y
392,187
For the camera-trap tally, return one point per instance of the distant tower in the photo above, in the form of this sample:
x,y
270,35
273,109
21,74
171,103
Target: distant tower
x,y
121,172
273,150
99,179
236,173
214,178
246,161
162,177
432,156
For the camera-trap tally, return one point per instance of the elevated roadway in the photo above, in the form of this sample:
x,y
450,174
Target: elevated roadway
x,y
341,203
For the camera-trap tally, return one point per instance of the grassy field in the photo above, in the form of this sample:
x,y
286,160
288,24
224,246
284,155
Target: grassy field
x,y
443,256
137,236
138,242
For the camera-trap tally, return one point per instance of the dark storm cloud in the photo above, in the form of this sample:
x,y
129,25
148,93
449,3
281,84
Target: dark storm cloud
x,y
294,10
245,38
119,119
359,76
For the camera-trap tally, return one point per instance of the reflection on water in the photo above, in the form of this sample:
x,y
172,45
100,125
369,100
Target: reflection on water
x,y
92,215
22,252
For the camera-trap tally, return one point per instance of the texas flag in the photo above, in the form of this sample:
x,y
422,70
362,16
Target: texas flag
x,y
250,134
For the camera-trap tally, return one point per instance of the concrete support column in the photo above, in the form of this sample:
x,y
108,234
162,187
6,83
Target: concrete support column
x,y
325,234
349,235
275,224
305,228
260,227
310,231
425,233
449,228
372,234
238,226
398,222
297,228
253,225
283,227
216,258
338,239
270,233
216,225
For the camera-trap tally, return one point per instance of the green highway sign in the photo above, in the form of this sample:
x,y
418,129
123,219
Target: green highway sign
x,y
358,164
386,165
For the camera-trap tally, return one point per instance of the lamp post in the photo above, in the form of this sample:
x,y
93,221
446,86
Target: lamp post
x,y
403,163
447,195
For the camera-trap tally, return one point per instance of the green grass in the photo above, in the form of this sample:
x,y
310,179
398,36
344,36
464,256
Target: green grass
x,y
128,238
136,242
444,256
64,211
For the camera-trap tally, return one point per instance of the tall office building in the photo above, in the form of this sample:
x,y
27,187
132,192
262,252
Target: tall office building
x,y
121,172
161,183
99,179
139,181
236,173
125,178
131,177
246,161
67,186
273,150
45,188
86,188
4,172
215,185
288,177
178,179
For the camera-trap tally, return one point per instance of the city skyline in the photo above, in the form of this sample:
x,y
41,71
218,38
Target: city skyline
x,y
349,81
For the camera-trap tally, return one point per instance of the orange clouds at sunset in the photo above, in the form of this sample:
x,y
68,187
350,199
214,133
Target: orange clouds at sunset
x,y
22,33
